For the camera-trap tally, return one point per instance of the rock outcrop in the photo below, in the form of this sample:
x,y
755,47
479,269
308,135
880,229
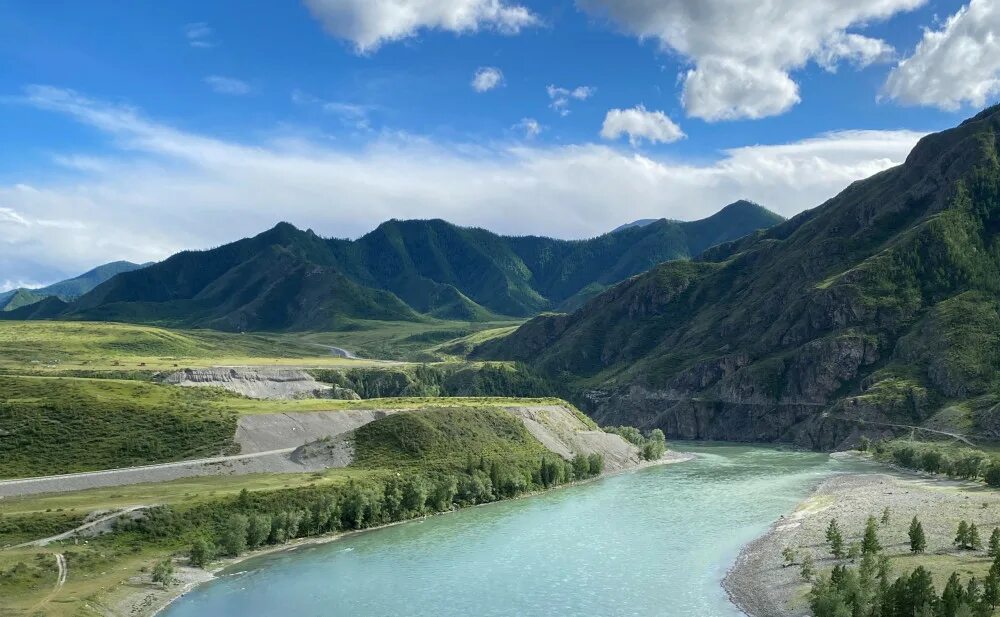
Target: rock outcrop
x,y
261,383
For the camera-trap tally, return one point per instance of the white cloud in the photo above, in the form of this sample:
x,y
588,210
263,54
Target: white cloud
x,y
370,23
743,53
960,63
640,124
561,97
487,78
227,85
351,114
199,34
202,191
529,126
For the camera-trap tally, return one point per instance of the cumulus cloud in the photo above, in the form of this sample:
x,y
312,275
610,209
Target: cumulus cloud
x,y
487,78
371,23
202,191
743,53
561,97
640,124
529,126
199,34
960,63
227,85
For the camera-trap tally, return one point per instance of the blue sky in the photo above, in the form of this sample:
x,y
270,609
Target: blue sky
x,y
136,129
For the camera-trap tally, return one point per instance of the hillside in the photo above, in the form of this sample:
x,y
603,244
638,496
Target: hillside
x,y
66,290
288,279
879,306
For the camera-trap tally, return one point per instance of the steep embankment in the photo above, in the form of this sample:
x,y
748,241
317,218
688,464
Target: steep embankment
x,y
261,383
879,306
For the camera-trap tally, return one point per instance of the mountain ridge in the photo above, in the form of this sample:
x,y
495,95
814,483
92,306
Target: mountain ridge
x,y
877,306
67,289
286,278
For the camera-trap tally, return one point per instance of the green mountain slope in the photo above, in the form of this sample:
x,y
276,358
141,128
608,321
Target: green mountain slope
x,y
288,279
68,289
881,305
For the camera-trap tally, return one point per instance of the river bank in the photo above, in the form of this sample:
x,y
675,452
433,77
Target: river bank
x,y
139,597
760,585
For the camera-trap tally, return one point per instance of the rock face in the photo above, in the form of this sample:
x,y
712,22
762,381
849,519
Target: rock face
x,y
261,383
861,316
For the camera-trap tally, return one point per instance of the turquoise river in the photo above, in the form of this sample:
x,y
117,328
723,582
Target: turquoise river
x,y
657,541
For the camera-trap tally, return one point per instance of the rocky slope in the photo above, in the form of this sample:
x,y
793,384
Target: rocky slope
x,y
878,306
261,383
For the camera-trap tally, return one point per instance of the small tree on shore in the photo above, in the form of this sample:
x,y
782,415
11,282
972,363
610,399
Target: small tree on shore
x,y
886,515
201,553
870,544
918,541
808,569
835,539
163,572
788,555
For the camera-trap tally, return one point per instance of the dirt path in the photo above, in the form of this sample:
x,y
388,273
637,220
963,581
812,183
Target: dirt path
x,y
86,527
128,475
60,581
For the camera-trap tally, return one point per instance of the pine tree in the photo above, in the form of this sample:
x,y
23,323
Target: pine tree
x,y
870,544
962,536
975,543
994,549
918,541
835,539
991,589
885,516
952,597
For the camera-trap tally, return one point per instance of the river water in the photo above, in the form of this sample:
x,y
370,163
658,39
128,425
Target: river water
x,y
657,541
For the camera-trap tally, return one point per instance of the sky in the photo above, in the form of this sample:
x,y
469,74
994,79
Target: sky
x,y
133,130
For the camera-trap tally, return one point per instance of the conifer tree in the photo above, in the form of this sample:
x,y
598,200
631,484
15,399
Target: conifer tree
x,y
918,541
975,543
994,547
835,539
808,569
962,536
885,516
870,544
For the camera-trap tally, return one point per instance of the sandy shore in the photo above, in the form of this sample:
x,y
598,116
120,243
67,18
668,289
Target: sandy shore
x,y
138,597
760,586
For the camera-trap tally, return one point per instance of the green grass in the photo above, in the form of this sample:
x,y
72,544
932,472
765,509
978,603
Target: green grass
x,y
53,346
443,439
60,425
410,341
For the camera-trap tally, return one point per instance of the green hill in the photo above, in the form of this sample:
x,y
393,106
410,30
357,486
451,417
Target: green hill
x,y
66,290
881,306
288,279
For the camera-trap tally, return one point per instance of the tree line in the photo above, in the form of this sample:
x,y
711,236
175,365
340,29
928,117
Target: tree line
x,y
867,590
232,526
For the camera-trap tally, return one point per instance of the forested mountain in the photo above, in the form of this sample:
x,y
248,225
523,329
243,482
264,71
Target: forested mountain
x,y
286,278
66,290
881,305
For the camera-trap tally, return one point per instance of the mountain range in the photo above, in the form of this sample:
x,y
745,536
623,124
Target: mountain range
x,y
876,310
289,279
70,289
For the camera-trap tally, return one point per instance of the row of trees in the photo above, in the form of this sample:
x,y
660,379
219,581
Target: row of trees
x,y
963,463
653,444
251,522
866,591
